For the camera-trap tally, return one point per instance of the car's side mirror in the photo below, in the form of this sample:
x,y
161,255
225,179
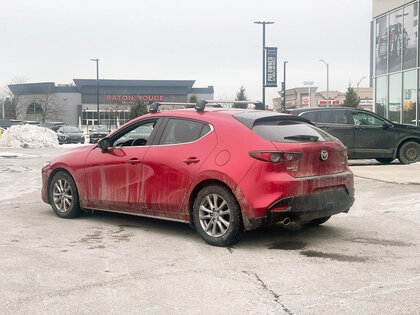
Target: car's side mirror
x,y
104,144
387,125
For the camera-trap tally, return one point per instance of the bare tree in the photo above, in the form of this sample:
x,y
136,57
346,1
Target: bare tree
x,y
51,110
116,108
11,101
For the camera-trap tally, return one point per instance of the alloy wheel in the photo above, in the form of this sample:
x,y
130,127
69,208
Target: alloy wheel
x,y
62,195
214,215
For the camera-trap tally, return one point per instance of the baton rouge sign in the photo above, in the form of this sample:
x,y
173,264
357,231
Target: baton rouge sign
x,y
132,98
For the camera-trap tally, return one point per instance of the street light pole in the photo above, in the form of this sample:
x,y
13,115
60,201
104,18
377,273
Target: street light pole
x,y
284,86
309,83
358,83
328,81
97,88
263,64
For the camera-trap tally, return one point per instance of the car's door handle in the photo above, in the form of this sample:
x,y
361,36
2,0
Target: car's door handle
x,y
133,161
191,161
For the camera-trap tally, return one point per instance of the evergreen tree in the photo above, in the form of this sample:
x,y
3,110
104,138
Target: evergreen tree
x,y
351,100
241,96
137,109
193,99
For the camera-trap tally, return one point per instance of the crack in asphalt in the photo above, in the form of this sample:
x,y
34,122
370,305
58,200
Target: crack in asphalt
x,y
274,294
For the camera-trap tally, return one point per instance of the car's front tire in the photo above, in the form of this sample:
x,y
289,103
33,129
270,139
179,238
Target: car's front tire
x,y
63,196
409,152
384,160
217,216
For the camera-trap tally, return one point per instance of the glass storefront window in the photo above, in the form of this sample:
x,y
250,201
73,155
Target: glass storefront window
x,y
381,54
408,37
381,96
396,35
395,90
409,97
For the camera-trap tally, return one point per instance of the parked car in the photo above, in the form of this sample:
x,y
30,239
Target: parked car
x,y
73,134
222,170
6,123
366,134
97,133
53,125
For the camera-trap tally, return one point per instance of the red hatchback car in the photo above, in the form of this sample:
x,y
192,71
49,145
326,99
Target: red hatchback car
x,y
222,170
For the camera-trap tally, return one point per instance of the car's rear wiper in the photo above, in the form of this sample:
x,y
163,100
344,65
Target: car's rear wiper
x,y
302,137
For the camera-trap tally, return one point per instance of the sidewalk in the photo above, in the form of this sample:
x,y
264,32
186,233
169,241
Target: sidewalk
x,y
393,173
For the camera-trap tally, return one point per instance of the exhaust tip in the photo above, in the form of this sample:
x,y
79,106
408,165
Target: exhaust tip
x,y
286,221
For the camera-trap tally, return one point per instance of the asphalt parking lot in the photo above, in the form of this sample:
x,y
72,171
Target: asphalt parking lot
x,y
365,262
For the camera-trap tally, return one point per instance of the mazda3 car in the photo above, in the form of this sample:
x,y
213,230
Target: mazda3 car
x,y
223,171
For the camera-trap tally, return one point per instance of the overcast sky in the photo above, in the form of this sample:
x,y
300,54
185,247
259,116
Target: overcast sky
x,y
213,42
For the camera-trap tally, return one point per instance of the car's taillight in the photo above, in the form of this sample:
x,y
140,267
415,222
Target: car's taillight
x,y
275,156
343,153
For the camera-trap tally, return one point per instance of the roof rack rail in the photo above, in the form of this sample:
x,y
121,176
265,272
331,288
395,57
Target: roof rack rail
x,y
201,104
258,104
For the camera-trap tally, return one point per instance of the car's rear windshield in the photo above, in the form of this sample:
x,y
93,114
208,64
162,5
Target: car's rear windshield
x,y
290,131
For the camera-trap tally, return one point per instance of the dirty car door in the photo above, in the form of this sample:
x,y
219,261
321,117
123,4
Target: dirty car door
x,y
170,167
113,178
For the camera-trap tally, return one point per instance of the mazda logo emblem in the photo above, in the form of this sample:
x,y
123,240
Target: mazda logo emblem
x,y
324,155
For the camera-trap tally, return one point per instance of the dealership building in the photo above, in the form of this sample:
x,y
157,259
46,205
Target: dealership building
x,y
395,70
76,104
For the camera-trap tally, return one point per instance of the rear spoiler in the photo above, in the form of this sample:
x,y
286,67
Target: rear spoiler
x,y
258,118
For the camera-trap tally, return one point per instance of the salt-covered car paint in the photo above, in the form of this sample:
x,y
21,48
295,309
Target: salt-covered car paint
x,y
164,180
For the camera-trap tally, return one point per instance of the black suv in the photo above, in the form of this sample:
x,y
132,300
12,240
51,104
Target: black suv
x,y
366,134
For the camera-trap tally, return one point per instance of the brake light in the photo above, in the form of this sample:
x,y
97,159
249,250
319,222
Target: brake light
x,y
343,153
275,156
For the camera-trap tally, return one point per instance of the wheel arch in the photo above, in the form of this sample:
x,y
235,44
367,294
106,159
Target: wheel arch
x,y
405,141
51,176
200,186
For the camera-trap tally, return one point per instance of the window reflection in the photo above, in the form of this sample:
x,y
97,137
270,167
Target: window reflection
x,y
397,38
409,97
409,42
381,96
395,89
381,45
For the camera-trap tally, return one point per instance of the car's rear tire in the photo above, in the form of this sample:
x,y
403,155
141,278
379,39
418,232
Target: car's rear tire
x,y
217,216
409,152
318,221
384,160
63,196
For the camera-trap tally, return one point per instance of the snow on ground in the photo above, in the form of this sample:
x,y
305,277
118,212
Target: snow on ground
x,y
9,155
28,136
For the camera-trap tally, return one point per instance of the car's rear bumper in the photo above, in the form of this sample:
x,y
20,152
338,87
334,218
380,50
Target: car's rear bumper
x,y
304,208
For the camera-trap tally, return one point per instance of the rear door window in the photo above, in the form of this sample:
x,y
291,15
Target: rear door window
x,y
333,117
183,131
290,131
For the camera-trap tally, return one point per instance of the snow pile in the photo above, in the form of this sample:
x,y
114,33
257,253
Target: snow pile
x,y
28,136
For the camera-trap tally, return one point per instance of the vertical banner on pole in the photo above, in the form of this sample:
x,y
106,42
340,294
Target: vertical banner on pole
x,y
271,67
